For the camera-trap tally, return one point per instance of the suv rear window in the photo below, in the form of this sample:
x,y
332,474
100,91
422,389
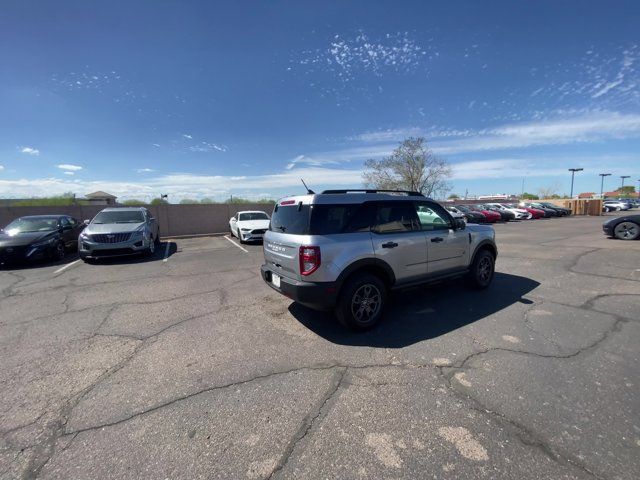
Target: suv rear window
x,y
325,219
292,219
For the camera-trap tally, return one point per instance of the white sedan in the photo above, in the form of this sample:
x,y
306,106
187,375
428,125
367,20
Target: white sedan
x,y
249,225
520,213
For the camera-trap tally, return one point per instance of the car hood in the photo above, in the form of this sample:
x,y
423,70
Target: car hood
x,y
254,224
21,239
479,228
94,228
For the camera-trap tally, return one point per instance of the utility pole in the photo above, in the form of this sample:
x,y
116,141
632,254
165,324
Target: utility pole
x,y
573,172
602,182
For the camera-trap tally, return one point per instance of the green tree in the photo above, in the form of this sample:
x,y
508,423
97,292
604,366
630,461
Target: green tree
x,y
626,190
411,166
207,200
529,196
133,202
453,196
188,201
159,201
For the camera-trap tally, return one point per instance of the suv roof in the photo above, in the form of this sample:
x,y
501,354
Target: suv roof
x,y
350,196
118,209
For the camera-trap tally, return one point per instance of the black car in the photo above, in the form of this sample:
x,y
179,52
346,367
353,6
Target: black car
x,y
548,212
38,237
505,215
471,215
561,210
626,227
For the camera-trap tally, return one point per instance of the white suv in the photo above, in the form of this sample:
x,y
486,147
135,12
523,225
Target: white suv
x,y
346,249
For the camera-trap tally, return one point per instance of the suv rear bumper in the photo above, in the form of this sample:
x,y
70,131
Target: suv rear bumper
x,y
316,295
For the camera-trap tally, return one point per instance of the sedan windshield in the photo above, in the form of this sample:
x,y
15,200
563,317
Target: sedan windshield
x,y
253,216
124,216
24,225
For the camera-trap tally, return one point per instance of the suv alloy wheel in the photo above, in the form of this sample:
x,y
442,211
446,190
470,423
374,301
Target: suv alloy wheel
x,y
482,270
361,302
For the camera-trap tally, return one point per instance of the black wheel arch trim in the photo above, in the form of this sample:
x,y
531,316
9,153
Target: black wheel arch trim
x,y
483,245
363,264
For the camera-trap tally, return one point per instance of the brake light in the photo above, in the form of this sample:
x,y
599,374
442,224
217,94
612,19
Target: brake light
x,y
288,202
309,260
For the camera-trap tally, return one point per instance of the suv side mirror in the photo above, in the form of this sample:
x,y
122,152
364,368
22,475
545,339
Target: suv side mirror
x,y
459,224
87,222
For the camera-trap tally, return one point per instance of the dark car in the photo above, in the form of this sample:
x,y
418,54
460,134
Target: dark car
x,y
561,210
548,212
38,237
471,215
505,216
626,227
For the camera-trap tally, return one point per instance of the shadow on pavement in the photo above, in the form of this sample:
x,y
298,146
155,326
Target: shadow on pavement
x,y
422,313
40,263
160,254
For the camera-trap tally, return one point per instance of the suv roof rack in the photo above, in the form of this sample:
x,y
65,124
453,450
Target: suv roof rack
x,y
365,190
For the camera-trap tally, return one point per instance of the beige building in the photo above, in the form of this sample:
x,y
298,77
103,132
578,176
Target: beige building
x,y
100,198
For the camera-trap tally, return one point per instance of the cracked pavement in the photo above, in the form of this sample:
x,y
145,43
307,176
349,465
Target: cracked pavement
x,y
193,368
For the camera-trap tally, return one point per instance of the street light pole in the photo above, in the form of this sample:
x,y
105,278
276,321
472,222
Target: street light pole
x,y
602,182
573,172
623,177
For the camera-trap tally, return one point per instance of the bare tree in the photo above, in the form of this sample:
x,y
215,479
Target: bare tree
x,y
550,191
411,166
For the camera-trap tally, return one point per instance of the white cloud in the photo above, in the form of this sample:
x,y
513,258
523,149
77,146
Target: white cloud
x,y
69,173
145,170
189,185
186,135
208,147
157,145
589,127
69,167
564,128
1,167
315,162
30,151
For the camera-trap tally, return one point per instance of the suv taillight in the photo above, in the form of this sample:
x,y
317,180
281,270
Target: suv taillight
x,y
309,260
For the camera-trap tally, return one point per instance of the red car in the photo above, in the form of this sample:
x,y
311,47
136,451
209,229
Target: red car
x,y
490,217
535,213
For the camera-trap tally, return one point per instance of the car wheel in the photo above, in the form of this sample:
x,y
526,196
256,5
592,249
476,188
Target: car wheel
x,y
361,302
59,251
626,231
482,270
151,250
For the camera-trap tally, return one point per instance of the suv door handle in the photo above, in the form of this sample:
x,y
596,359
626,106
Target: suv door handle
x,y
437,239
389,245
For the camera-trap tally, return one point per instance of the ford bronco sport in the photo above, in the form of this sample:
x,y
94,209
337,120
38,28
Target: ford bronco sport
x,y
344,250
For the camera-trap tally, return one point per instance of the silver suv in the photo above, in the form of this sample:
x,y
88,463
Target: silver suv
x,y
119,232
346,249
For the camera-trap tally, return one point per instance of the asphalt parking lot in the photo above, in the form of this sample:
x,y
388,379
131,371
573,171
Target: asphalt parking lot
x,y
186,365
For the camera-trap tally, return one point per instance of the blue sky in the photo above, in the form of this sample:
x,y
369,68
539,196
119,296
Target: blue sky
x,y
200,99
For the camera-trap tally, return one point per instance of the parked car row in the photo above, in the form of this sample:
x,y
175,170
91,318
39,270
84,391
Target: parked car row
x,y
619,205
505,212
112,232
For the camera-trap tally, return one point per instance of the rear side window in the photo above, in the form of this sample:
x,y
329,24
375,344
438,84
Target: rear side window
x,y
333,219
393,217
293,219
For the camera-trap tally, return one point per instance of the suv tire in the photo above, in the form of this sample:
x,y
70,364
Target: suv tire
x,y
361,302
482,270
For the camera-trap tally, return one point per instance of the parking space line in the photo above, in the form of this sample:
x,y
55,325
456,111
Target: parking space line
x,y
63,268
166,252
241,248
